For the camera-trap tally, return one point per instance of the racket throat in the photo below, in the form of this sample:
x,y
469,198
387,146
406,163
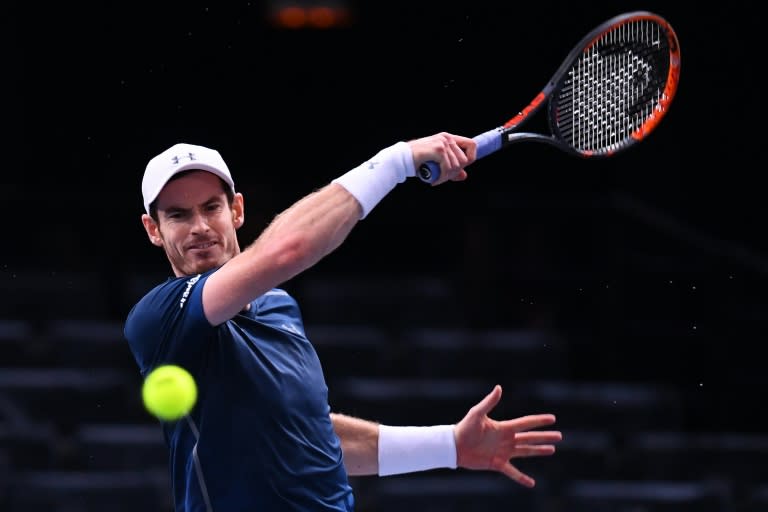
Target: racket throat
x,y
512,138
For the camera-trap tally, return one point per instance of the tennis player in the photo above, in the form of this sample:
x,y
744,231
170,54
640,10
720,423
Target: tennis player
x,y
262,436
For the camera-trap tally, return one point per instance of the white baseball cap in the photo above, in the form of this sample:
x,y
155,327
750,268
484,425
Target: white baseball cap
x,y
177,158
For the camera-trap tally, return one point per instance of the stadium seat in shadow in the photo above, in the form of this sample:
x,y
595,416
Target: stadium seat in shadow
x,y
115,447
449,491
617,407
89,343
70,396
644,496
36,294
740,457
27,446
509,354
755,498
376,299
20,344
90,491
352,350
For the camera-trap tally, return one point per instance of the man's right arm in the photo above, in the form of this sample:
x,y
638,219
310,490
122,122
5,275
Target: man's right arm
x,y
294,241
317,224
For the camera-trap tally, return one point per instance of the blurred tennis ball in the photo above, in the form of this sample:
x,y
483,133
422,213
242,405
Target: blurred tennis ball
x,y
169,392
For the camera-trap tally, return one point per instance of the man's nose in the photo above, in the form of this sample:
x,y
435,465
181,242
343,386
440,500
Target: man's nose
x,y
199,223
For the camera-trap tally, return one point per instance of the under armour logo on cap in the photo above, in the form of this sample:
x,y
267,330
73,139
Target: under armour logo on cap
x,y
177,159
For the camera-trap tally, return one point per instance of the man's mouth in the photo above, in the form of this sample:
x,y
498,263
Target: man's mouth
x,y
202,246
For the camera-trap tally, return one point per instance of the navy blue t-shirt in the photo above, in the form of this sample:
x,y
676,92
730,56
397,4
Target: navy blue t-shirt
x,y
260,437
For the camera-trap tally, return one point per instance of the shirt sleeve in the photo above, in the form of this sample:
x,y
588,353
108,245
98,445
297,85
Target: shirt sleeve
x,y
168,326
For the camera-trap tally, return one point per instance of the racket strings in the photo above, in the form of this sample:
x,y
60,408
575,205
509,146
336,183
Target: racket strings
x,y
613,88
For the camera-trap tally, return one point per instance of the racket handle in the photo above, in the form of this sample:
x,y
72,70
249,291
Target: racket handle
x,y
487,143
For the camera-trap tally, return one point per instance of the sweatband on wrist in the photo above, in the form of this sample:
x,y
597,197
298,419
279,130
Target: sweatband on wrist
x,y
374,179
410,449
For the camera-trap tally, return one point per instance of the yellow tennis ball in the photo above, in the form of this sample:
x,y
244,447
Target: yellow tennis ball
x,y
169,392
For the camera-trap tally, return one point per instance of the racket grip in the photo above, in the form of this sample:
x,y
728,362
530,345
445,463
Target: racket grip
x,y
487,143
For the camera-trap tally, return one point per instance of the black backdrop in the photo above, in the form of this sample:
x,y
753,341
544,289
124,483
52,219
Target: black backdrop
x,y
668,234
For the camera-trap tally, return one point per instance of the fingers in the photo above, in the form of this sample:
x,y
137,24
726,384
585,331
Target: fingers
x,y
451,156
518,476
469,146
464,151
458,157
528,450
460,150
461,176
538,437
489,402
529,422
453,153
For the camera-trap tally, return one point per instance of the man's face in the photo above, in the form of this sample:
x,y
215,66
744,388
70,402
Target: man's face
x,y
196,227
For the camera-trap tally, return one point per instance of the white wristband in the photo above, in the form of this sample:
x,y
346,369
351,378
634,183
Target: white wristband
x,y
410,449
374,179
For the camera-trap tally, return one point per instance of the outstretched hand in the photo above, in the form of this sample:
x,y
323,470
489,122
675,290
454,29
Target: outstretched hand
x,y
486,444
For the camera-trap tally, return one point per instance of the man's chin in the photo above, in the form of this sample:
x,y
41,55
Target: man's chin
x,y
204,264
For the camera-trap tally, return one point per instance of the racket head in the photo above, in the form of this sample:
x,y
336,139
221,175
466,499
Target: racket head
x,y
615,86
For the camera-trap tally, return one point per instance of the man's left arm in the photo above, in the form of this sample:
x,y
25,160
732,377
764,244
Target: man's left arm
x,y
359,444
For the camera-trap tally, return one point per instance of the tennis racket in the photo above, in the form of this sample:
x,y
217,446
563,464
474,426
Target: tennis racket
x,y
610,93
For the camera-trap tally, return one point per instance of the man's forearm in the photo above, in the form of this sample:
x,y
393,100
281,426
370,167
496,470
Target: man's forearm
x,y
359,444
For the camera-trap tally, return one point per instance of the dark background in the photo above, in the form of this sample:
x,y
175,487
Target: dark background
x,y
650,265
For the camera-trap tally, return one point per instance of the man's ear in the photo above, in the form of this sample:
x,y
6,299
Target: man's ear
x,y
152,229
238,210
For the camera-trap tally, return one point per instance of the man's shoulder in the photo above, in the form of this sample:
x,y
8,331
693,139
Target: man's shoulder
x,y
277,296
168,287
172,290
